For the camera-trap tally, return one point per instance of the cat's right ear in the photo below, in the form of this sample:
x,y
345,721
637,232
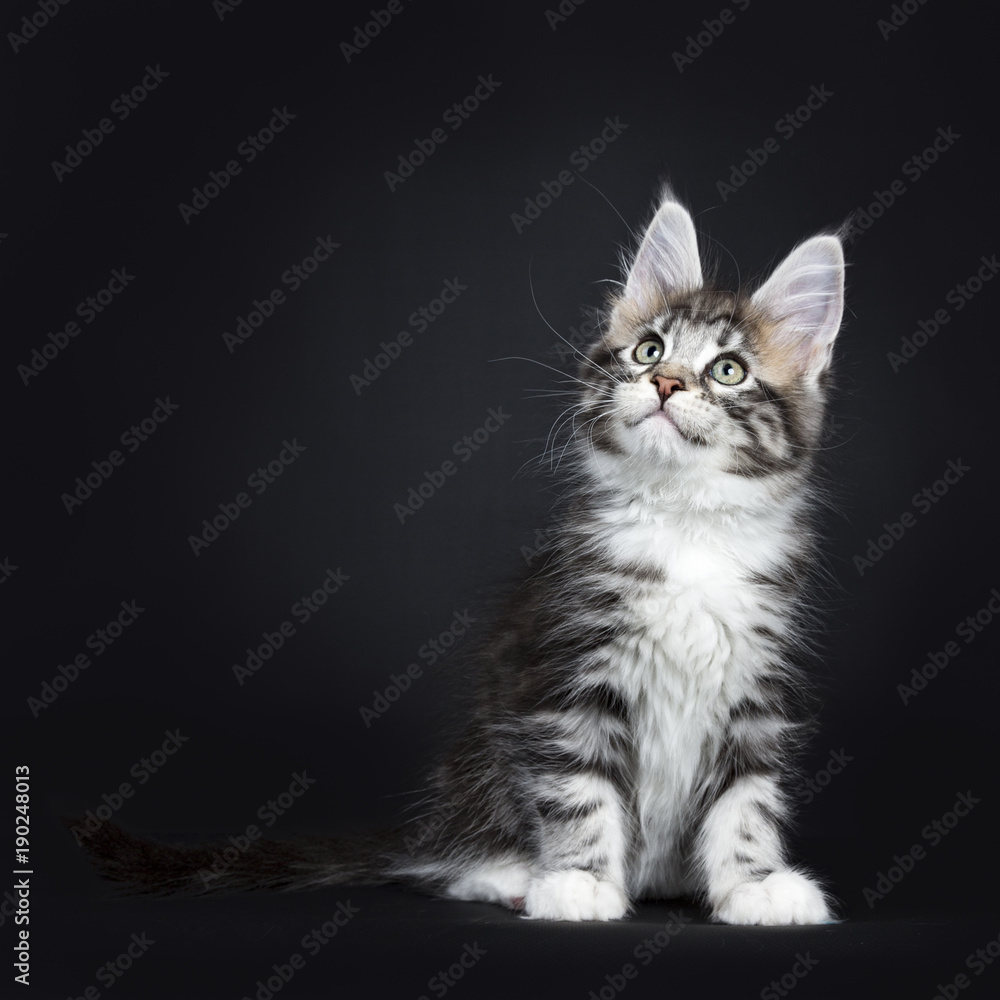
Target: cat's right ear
x,y
804,300
667,260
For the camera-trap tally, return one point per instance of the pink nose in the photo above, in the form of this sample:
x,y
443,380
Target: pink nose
x,y
665,386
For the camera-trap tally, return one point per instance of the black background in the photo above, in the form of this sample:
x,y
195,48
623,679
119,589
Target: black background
x,y
893,434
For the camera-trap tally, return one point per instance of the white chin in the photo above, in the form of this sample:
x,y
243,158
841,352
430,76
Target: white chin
x,y
659,434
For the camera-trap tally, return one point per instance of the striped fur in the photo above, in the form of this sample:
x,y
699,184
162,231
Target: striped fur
x,y
638,704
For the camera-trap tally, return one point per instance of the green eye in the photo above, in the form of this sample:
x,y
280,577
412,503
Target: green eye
x,y
728,371
649,352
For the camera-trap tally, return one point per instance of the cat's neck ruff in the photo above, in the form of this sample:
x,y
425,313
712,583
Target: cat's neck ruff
x,y
689,493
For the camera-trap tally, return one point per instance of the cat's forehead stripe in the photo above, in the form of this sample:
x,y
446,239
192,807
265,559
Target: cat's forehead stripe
x,y
734,337
667,320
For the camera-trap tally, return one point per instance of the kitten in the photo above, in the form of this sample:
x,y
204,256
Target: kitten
x,y
639,702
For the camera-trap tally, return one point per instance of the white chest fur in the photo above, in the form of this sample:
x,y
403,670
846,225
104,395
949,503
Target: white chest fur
x,y
692,654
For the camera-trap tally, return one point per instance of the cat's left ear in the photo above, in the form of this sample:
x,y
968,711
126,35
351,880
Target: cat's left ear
x,y
803,302
667,260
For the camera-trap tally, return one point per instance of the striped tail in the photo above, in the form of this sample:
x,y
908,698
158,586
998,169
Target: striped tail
x,y
142,866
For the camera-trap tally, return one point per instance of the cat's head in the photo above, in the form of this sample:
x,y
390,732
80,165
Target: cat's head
x,y
724,390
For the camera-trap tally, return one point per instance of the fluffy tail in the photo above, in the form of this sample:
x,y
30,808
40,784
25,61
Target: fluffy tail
x,y
142,866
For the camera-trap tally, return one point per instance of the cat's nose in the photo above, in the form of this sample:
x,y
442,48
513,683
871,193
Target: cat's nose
x,y
665,386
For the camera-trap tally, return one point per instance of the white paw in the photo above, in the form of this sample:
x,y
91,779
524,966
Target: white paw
x,y
502,882
784,897
574,895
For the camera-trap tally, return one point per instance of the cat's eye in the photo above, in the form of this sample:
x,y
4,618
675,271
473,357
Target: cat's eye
x,y
649,352
728,371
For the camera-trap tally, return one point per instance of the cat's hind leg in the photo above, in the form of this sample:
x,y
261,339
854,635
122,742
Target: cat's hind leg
x,y
573,758
504,881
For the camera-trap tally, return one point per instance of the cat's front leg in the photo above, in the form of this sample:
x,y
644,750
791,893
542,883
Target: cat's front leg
x,y
741,853
579,873
581,761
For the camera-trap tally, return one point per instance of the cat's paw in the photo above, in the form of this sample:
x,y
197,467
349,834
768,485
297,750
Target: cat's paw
x,y
574,894
783,897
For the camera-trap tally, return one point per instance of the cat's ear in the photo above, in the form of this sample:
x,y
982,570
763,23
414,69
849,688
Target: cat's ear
x,y
803,304
667,260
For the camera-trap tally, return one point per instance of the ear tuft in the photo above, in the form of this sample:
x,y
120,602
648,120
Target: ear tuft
x,y
803,302
667,260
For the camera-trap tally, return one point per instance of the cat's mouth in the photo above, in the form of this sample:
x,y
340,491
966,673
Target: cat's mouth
x,y
668,422
684,425
663,411
656,414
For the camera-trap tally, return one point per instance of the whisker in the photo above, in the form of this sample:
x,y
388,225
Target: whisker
x,y
633,233
573,347
558,371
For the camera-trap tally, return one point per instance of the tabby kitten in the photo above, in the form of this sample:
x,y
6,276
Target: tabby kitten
x,y
639,702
